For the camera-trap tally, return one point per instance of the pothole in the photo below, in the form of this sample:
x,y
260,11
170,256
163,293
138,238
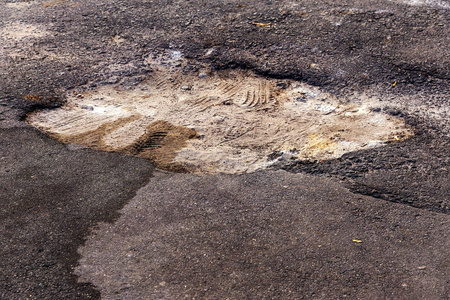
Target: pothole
x,y
230,121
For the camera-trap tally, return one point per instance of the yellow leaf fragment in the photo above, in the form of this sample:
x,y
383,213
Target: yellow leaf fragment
x,y
117,39
267,25
356,241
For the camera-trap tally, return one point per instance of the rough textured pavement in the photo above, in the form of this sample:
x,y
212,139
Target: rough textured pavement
x,y
267,236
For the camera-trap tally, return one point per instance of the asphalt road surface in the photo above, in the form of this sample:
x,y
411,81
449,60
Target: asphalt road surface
x,y
77,223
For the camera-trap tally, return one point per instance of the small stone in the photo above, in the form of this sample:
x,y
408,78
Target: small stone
x,y
186,88
202,75
286,156
111,80
282,85
175,54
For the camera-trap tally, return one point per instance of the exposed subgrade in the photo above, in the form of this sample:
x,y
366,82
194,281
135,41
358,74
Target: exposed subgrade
x,y
204,121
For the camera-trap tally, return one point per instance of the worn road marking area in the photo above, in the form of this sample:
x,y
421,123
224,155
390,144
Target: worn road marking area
x,y
227,121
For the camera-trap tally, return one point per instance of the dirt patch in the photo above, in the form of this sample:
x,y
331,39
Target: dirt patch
x,y
19,31
93,138
241,122
18,5
160,143
431,3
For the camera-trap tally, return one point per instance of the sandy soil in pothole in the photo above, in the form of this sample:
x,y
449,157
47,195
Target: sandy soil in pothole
x,y
228,121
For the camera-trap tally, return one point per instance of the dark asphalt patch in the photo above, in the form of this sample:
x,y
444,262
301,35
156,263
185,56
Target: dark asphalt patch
x,y
266,235
51,197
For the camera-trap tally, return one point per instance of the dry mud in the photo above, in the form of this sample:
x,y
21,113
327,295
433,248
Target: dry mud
x,y
229,121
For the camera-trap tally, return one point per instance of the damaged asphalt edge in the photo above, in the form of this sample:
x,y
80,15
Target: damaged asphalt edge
x,y
39,102
352,167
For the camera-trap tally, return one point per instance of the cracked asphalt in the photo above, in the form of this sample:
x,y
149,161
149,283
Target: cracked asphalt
x,y
83,224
